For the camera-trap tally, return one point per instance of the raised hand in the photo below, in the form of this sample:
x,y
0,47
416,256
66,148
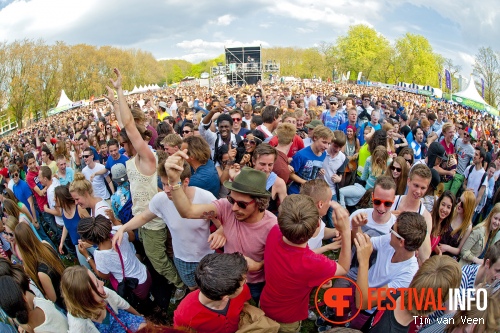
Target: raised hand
x,y
364,247
174,165
118,82
234,170
340,217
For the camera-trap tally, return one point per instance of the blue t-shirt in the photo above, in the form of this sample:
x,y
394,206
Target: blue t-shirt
x,y
110,162
306,165
361,133
70,176
22,192
206,177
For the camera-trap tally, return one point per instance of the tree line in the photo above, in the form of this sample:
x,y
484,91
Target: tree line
x,y
33,73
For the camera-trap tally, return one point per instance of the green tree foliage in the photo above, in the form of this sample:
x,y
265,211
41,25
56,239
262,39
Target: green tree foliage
x,y
361,50
32,73
415,60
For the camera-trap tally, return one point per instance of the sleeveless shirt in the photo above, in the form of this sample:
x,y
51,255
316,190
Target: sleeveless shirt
x,y
143,189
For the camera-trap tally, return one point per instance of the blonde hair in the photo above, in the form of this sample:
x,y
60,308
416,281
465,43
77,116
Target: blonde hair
x,y
81,185
390,141
468,207
438,273
322,132
12,209
12,222
379,161
487,223
285,133
76,289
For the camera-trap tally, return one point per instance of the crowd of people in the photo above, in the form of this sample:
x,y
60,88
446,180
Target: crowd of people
x,y
234,203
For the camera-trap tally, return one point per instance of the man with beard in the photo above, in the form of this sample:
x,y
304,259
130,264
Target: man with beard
x,y
224,135
243,215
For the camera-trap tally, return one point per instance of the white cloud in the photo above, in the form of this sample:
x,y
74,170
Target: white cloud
x,y
223,20
202,44
304,30
39,18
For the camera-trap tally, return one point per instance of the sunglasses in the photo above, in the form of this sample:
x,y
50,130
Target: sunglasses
x,y
408,160
366,100
257,96
186,132
398,236
241,204
466,135
236,119
15,174
378,202
252,142
393,168
10,234
86,156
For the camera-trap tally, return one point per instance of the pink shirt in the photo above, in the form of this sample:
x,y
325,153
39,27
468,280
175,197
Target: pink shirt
x,y
246,238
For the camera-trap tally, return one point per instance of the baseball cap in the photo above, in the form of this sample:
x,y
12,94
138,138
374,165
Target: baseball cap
x,y
334,100
163,105
314,123
119,173
472,133
404,117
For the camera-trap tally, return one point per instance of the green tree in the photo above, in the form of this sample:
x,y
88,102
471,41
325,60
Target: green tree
x,y
361,50
415,60
487,67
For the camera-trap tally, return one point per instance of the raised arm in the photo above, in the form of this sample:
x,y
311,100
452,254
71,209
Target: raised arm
x,y
146,158
174,166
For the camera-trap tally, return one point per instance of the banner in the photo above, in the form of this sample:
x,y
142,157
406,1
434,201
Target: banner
x,y
359,76
440,79
348,75
447,76
482,88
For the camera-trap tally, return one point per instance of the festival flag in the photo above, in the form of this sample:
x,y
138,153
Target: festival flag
x,y
447,76
359,76
440,79
482,87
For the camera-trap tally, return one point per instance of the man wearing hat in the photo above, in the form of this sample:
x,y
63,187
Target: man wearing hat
x,y
311,126
162,111
121,201
331,118
242,213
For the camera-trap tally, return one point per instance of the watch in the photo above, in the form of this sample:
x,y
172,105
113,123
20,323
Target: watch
x,y
88,258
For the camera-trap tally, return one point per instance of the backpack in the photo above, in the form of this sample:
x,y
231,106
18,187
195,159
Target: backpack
x,y
482,202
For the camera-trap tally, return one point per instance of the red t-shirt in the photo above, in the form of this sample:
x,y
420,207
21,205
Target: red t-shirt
x,y
450,150
32,180
192,314
291,274
297,144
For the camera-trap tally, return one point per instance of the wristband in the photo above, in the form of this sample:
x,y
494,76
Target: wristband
x,y
176,186
88,258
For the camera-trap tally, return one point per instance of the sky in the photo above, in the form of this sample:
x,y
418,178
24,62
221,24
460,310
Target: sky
x,y
199,30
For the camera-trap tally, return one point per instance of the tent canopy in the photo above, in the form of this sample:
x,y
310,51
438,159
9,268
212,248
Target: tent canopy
x,y
471,98
63,100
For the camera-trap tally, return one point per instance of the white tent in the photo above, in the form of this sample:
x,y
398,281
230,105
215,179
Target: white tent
x,y
471,92
471,98
64,100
